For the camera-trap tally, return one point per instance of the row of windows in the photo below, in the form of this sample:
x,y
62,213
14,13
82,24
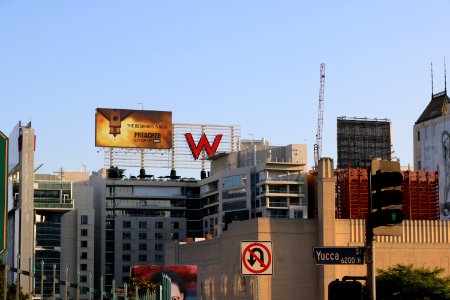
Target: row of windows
x,y
143,224
142,247
144,236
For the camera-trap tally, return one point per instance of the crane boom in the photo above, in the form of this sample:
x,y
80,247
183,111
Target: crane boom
x,y
318,144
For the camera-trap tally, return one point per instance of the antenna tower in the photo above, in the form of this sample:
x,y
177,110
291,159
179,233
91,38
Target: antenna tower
x,y
318,144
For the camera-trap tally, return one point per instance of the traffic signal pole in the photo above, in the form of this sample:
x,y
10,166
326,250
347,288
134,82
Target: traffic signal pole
x,y
370,250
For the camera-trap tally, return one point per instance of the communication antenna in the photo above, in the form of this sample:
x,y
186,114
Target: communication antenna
x,y
431,80
445,77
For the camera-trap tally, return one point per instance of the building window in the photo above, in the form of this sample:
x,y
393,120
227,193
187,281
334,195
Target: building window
x,y
83,267
126,235
158,236
83,255
142,257
126,246
84,219
159,258
175,236
418,136
143,247
83,278
126,279
142,235
298,214
84,244
142,224
126,257
126,269
175,225
419,164
84,232
159,225
158,247
126,224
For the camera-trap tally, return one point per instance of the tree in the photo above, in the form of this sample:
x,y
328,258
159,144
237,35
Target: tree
x,y
405,282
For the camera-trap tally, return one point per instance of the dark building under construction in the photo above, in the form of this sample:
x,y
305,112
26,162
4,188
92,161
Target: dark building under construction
x,y
359,140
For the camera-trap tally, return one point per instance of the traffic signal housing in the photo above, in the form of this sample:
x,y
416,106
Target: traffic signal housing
x,y
348,290
386,198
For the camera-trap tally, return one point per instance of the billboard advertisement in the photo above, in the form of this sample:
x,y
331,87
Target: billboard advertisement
x,y
183,277
126,128
435,155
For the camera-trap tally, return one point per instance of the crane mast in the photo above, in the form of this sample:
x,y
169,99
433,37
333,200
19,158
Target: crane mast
x,y
318,144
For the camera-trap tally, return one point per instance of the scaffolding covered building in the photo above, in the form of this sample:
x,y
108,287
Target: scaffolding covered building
x,y
420,194
359,140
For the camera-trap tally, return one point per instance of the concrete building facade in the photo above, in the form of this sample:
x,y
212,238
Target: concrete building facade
x,y
295,275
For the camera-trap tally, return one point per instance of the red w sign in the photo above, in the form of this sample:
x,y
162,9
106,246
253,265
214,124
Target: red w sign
x,y
202,144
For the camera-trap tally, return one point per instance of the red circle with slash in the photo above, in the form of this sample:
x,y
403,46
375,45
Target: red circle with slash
x,y
258,259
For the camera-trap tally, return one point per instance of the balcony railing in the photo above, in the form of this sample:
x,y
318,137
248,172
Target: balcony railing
x,y
53,203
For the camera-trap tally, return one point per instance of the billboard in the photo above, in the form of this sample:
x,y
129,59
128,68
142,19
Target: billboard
x,y
126,128
183,277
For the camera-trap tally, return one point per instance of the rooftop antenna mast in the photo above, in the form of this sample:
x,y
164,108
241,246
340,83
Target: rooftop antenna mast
x,y
318,144
432,80
445,77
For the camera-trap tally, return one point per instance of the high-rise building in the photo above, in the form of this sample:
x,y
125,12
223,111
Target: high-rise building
x,y
431,139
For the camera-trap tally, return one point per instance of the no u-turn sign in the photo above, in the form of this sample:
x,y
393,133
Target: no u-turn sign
x,y
256,258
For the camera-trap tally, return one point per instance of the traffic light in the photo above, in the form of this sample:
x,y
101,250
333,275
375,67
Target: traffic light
x,y
386,197
348,290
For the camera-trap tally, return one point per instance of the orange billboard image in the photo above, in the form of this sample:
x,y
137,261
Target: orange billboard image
x,y
125,128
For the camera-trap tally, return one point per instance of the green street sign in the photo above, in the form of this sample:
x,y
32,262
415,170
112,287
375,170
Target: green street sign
x,y
3,189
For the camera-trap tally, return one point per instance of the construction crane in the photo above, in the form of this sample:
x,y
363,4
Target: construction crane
x,y
318,144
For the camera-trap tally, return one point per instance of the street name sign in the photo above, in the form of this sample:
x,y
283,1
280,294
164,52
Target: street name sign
x,y
256,258
3,188
338,255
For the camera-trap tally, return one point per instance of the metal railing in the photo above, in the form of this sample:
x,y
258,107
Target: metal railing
x,y
162,292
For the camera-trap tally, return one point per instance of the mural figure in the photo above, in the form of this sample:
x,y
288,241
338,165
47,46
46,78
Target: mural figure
x,y
446,164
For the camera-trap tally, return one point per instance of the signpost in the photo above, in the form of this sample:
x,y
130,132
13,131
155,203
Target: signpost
x,y
256,258
3,188
338,255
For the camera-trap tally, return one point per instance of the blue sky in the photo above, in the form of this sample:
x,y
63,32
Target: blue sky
x,y
250,63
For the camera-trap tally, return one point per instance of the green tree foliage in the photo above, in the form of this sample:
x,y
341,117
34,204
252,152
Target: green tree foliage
x,y
402,282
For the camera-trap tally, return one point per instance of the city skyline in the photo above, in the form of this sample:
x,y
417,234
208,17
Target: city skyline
x,y
253,64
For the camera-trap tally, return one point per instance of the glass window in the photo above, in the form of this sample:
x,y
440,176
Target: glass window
x,y
126,224
142,257
158,247
84,244
158,236
159,258
175,225
84,232
126,269
175,236
142,247
126,246
126,257
126,235
142,235
83,267
83,278
83,255
84,219
159,225
142,224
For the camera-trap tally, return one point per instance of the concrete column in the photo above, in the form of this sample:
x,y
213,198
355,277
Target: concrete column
x,y
326,218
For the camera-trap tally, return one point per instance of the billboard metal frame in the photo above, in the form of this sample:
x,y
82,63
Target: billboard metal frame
x,y
180,155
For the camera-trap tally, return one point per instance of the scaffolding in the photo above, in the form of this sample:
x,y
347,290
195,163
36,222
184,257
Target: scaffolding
x,y
359,140
420,194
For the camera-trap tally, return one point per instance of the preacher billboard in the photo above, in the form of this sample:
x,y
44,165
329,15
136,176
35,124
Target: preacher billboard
x,y
183,277
125,128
